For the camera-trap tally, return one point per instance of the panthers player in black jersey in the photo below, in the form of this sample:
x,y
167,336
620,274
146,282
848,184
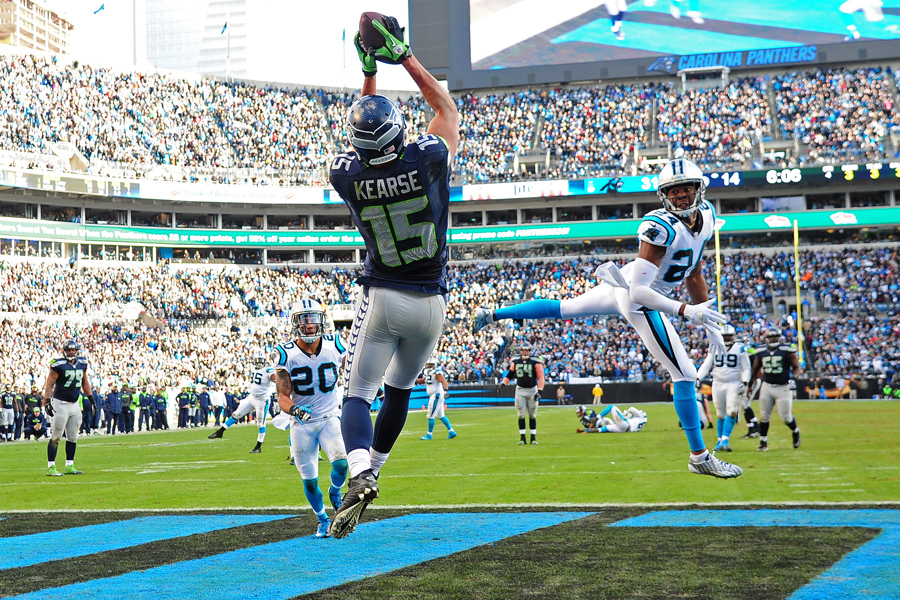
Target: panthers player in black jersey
x,y
528,372
776,363
68,376
398,195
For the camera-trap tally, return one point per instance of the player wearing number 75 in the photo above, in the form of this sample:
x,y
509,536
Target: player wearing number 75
x,y
398,194
671,247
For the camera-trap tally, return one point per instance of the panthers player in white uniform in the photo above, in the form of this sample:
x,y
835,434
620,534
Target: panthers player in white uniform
x,y
258,400
731,374
435,386
671,246
306,378
630,421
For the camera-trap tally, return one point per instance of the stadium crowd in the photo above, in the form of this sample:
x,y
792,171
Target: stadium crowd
x,y
851,300
136,120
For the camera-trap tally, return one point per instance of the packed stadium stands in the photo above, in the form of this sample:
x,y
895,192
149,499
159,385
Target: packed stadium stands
x,y
134,123
851,316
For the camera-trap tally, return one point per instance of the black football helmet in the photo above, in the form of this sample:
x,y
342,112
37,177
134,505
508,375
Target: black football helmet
x,y
70,349
774,338
375,128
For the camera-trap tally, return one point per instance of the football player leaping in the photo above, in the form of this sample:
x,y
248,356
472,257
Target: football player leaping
x,y
731,374
671,247
435,386
258,400
306,378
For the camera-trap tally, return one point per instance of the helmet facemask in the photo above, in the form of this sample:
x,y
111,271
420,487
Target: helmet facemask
x,y
70,350
681,172
301,323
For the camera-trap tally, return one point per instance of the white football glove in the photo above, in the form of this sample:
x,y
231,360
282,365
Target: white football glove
x,y
714,335
702,314
792,385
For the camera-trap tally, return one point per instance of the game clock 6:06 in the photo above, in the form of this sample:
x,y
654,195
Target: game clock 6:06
x,y
784,176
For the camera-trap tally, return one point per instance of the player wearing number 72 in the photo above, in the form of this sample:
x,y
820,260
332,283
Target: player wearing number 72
x,y
398,195
671,247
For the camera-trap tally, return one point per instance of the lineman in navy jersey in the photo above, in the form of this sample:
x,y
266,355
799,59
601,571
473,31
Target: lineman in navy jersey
x,y
68,377
399,197
776,363
306,377
529,375
671,247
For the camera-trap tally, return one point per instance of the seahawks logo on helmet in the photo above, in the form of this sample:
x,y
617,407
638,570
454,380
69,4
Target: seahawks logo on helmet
x,y
70,350
375,128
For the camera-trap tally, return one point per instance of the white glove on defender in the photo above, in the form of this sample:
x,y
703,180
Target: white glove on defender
x,y
714,335
702,314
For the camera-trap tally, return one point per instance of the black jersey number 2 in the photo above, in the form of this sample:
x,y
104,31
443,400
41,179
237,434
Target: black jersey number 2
x,y
302,379
390,223
676,272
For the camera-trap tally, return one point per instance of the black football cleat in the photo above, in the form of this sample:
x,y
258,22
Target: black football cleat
x,y
796,435
217,434
361,491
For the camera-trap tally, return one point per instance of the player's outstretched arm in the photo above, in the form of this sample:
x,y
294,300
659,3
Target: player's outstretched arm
x,y
446,118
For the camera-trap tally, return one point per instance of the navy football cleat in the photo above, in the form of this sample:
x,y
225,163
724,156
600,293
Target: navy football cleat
x,y
361,491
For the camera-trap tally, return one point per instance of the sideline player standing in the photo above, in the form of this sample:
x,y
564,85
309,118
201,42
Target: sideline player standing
x,y
399,199
258,400
67,378
731,374
435,386
528,372
306,372
777,363
671,247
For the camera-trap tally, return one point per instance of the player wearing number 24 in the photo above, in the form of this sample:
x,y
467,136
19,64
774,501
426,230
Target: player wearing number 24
x,y
398,194
671,247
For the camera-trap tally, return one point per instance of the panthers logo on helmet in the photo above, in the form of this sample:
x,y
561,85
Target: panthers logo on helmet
x,y
308,321
681,172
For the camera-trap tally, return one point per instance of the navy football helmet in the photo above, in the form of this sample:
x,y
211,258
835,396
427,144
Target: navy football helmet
x,y
70,349
375,128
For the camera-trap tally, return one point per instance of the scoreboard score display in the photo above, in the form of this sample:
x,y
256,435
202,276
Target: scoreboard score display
x,y
777,177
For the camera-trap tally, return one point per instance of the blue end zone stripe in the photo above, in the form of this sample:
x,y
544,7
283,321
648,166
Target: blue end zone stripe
x,y
869,572
668,227
304,565
27,550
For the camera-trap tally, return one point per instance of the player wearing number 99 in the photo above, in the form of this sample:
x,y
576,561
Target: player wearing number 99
x,y
398,195
731,374
671,247
306,377
67,378
257,401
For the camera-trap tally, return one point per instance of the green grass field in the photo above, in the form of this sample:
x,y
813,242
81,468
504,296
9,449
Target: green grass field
x,y
849,453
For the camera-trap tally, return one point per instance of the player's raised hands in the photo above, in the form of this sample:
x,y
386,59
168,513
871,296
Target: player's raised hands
x,y
395,50
369,66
